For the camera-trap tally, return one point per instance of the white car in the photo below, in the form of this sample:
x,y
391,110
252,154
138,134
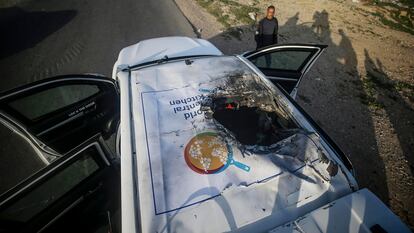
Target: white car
x,y
206,143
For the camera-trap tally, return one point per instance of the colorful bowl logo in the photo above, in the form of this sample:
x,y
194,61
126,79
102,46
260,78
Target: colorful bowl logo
x,y
207,153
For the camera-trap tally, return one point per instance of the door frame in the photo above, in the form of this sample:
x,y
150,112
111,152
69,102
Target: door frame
x,y
63,202
308,63
18,122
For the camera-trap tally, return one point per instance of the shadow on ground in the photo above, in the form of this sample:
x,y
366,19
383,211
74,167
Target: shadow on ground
x,y
24,29
388,97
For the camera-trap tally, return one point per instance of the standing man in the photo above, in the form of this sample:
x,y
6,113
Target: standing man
x,y
266,33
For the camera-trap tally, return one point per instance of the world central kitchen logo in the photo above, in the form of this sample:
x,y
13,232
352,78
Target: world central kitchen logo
x,y
189,107
208,153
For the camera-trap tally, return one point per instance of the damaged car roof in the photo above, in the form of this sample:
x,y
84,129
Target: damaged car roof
x,y
218,148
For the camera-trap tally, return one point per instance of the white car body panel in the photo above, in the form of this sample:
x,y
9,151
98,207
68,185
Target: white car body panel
x,y
354,213
158,48
128,186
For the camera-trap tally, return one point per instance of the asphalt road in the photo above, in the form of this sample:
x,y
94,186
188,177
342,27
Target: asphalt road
x,y
45,38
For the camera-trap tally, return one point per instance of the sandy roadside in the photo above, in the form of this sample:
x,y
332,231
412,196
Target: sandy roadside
x,y
360,91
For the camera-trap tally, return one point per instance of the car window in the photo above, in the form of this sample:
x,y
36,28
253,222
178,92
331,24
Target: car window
x,y
18,159
52,188
282,60
40,103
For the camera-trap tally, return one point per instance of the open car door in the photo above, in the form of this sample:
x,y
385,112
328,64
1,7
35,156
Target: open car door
x,y
74,193
285,65
62,112
70,122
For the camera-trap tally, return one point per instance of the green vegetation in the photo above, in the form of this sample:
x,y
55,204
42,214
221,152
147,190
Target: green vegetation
x,y
389,85
214,8
242,12
397,17
399,23
373,82
408,3
223,9
369,97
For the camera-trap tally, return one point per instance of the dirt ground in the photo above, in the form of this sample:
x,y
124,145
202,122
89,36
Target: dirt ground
x,y
361,91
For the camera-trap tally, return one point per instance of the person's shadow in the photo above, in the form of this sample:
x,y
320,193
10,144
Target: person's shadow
x,y
400,114
321,23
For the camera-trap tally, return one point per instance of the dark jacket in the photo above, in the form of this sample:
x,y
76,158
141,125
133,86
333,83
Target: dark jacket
x,y
266,33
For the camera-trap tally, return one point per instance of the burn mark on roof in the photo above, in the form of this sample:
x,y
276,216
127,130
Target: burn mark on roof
x,y
248,110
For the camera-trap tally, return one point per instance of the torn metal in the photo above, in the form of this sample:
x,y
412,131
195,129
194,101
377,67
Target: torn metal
x,y
246,111
249,110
